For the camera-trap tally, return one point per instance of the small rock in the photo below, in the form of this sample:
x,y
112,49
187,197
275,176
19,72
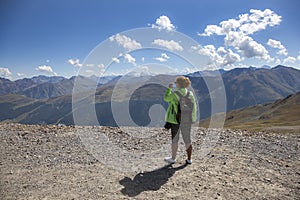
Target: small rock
x,y
24,133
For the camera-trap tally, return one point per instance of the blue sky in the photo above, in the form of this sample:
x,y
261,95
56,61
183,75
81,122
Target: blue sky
x,y
55,37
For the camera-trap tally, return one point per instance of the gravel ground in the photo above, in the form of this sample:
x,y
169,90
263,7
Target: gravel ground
x,y
52,162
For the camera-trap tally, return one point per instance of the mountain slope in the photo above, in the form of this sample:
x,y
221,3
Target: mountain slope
x,y
246,87
13,106
283,112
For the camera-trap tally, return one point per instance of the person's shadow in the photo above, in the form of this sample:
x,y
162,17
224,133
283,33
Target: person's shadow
x,y
152,180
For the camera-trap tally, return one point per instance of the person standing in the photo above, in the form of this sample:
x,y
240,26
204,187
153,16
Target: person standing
x,y
177,120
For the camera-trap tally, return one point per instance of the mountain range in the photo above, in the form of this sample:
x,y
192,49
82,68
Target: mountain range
x,y
48,100
44,87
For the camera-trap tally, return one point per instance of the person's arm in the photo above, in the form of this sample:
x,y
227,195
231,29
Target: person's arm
x,y
169,95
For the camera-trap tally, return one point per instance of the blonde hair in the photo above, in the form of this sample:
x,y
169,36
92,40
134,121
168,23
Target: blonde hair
x,y
183,82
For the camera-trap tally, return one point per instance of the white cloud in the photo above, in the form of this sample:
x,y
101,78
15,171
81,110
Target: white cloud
x,y
221,56
75,62
125,42
188,70
46,69
143,68
230,58
89,65
246,45
128,58
277,61
89,71
222,51
163,23
143,59
96,70
237,31
116,60
277,45
282,52
209,51
169,44
246,24
101,66
298,56
20,74
212,29
4,72
139,71
163,57
289,59
160,59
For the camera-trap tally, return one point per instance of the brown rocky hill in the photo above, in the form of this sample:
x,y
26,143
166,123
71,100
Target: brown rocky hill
x,y
283,112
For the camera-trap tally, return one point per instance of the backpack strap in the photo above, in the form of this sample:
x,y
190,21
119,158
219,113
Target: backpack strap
x,y
188,93
180,95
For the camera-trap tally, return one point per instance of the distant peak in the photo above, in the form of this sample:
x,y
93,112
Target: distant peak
x,y
280,66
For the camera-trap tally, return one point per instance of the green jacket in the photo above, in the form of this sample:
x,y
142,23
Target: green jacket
x,y
173,99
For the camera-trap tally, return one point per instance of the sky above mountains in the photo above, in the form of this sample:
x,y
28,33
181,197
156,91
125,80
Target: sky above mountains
x,y
56,37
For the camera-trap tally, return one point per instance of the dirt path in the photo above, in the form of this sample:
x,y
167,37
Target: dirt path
x,y
50,162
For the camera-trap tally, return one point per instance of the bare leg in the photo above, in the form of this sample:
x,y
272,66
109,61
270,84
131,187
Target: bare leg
x,y
189,150
174,150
